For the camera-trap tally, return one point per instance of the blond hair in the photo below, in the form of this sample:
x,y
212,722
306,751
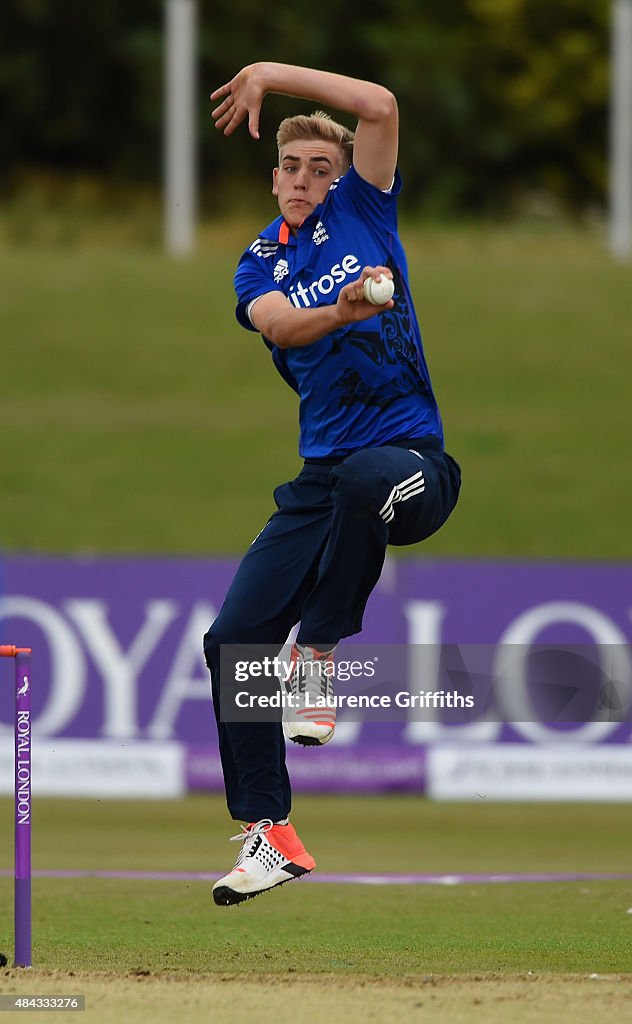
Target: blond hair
x,y
318,125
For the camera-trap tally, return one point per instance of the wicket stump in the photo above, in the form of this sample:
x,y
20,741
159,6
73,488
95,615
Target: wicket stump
x,y
22,850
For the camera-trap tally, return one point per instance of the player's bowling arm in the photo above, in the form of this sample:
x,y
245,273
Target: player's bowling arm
x,y
287,326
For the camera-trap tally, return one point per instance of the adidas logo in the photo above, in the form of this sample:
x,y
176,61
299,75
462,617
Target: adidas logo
x,y
281,270
264,247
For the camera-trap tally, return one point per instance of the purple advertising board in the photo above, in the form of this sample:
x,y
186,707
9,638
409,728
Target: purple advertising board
x,y
117,656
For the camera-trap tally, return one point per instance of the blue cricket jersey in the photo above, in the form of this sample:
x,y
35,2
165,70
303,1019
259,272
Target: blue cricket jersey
x,y
367,383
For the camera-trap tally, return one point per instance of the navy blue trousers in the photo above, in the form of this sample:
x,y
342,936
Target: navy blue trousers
x,y
316,561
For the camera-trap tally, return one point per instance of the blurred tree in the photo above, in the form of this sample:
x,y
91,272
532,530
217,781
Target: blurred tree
x,y
542,70
81,85
498,98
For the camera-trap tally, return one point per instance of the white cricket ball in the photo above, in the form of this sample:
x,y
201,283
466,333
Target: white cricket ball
x,y
380,291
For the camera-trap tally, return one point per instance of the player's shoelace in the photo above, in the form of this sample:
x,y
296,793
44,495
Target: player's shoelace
x,y
247,837
308,677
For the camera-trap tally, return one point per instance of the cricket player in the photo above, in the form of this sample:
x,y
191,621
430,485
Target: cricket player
x,y
375,471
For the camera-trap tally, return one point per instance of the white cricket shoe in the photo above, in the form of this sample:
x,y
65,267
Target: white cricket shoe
x,y
311,719
270,855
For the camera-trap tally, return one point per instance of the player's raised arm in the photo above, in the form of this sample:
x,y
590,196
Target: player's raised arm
x,y
376,136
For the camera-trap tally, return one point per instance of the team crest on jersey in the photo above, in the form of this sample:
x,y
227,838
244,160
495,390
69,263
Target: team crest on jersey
x,y
320,235
280,271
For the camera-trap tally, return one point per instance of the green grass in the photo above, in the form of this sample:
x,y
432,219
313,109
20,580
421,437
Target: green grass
x,y
164,926
100,924
137,417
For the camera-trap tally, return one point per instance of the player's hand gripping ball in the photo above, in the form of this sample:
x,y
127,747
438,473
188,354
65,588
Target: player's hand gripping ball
x,y
378,292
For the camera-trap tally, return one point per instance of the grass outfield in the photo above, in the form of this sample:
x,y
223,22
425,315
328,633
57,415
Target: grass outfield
x,y
150,949
140,418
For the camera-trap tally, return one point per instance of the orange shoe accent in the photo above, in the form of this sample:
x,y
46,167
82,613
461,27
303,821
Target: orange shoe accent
x,y
285,840
304,860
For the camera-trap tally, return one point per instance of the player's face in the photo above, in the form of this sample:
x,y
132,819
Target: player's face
x,y
302,179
